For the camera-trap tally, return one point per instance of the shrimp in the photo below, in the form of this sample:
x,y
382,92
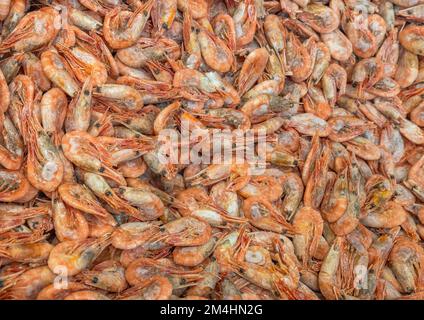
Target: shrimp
x,y
251,70
263,215
33,31
34,69
108,275
83,150
155,288
11,153
76,256
69,223
122,29
308,226
56,70
214,51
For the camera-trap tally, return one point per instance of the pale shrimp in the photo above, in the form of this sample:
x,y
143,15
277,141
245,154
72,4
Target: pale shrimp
x,y
244,18
339,45
185,231
133,235
69,223
194,256
155,288
33,31
84,64
76,255
51,292
252,69
122,29
81,198
309,124
334,83
34,69
44,168
108,275
405,260
58,72
78,113
214,51
28,284
411,38
327,279
308,226
206,286
120,96
11,150
321,18
149,204
53,107
84,151
263,215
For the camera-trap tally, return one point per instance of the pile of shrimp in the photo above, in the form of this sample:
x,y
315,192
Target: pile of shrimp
x,y
87,210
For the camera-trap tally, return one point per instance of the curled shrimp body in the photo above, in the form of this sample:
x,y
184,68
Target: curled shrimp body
x,y
69,223
193,256
185,232
108,275
76,255
148,203
82,149
155,288
58,72
405,260
245,22
122,29
11,152
122,96
214,51
53,107
80,197
411,38
252,68
45,167
84,64
263,215
28,284
34,30
321,18
34,69
340,47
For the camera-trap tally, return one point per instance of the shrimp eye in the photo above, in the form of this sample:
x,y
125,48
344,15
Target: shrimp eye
x,y
121,190
97,125
108,193
213,258
183,281
161,229
102,169
95,280
86,92
165,26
